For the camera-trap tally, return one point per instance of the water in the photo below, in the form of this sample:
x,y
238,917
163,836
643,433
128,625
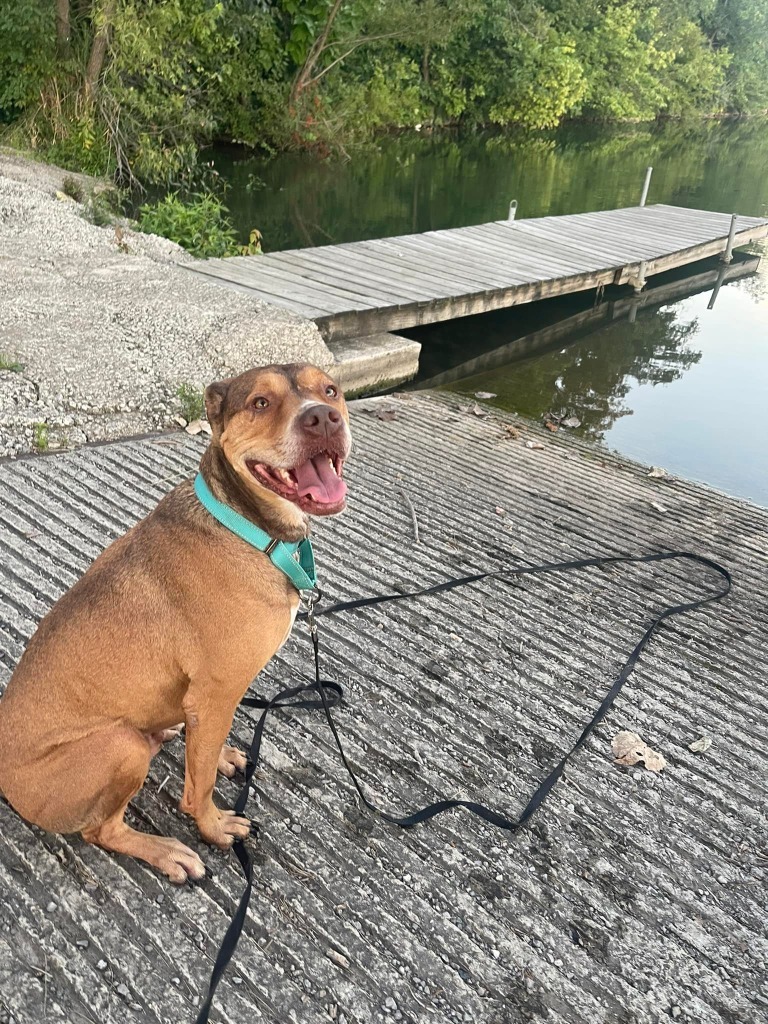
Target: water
x,y
682,386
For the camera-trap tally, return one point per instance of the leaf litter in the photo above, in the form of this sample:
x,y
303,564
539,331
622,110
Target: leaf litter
x,y
701,744
629,749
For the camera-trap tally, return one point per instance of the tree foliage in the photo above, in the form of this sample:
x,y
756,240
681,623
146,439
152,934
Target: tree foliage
x,y
136,87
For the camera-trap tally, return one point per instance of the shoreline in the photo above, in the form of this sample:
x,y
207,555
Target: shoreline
x,y
102,325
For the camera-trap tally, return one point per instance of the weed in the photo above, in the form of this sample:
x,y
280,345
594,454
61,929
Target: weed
x,y
192,404
40,437
9,363
73,188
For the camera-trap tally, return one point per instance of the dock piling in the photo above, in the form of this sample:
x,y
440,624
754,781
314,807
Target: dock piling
x,y
646,185
512,210
728,254
638,280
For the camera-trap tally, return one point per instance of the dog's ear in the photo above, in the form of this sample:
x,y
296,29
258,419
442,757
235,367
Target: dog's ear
x,y
215,394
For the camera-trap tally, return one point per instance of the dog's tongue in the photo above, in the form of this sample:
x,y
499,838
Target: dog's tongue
x,y
317,480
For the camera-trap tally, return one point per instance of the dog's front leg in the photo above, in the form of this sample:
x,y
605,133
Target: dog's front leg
x,y
207,724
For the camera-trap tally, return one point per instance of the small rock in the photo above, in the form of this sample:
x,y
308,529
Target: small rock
x,y
122,990
237,981
51,907
101,965
390,1004
82,943
675,1012
296,827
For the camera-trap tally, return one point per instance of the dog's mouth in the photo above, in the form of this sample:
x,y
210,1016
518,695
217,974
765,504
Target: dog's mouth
x,y
316,485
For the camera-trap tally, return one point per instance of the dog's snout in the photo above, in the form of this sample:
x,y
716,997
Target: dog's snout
x,y
321,421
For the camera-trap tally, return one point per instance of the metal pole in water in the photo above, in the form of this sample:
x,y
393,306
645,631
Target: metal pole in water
x,y
646,185
512,210
716,289
728,254
638,282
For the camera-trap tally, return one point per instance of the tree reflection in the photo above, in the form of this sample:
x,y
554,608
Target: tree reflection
x,y
591,378
413,183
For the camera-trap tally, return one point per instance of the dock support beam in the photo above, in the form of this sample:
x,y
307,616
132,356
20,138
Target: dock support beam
x,y
512,210
728,254
646,185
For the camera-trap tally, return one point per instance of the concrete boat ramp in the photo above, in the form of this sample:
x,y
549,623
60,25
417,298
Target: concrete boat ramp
x,y
633,898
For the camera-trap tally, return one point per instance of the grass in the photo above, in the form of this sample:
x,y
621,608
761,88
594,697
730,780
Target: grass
x,y
9,363
192,403
40,437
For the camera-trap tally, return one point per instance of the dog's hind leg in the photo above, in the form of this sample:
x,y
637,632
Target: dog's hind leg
x,y
84,785
170,856
127,762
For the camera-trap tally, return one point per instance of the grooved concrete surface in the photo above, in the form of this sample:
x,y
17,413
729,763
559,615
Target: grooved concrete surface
x,y
634,898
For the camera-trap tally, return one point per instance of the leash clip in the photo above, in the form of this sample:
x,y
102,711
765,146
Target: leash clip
x,y
309,598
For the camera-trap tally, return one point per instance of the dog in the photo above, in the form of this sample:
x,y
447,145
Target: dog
x,y
170,625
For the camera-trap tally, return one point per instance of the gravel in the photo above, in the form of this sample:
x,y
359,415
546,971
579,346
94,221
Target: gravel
x,y
107,323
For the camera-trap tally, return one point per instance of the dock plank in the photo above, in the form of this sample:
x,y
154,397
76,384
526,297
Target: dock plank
x,y
377,285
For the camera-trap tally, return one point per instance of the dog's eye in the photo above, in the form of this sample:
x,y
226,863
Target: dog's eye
x,y
331,391
260,403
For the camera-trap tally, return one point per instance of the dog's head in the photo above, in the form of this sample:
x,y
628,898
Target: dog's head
x,y
285,432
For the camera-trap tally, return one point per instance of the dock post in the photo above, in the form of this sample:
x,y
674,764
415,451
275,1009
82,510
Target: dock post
x,y
646,185
638,282
512,210
728,254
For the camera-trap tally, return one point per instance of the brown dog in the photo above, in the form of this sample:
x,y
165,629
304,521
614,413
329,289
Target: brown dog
x,y
172,622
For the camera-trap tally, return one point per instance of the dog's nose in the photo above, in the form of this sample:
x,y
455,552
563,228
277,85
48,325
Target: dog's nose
x,y
321,421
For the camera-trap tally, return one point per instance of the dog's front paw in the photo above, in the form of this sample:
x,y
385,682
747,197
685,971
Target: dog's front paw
x,y
224,829
231,760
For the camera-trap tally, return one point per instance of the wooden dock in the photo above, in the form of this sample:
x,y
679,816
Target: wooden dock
x,y
361,288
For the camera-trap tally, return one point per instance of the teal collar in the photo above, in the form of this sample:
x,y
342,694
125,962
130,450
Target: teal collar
x,y
295,560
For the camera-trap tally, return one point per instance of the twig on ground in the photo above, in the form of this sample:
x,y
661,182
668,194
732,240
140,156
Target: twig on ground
x,y
412,510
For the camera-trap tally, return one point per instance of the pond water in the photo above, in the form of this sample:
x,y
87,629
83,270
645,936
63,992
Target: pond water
x,y
670,382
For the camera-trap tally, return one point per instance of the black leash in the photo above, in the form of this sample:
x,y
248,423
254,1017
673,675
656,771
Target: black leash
x,y
329,694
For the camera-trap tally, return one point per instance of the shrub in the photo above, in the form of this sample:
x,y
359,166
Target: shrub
x,y
200,224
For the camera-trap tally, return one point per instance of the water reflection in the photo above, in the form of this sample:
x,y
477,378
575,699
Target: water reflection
x,y
670,387
414,182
